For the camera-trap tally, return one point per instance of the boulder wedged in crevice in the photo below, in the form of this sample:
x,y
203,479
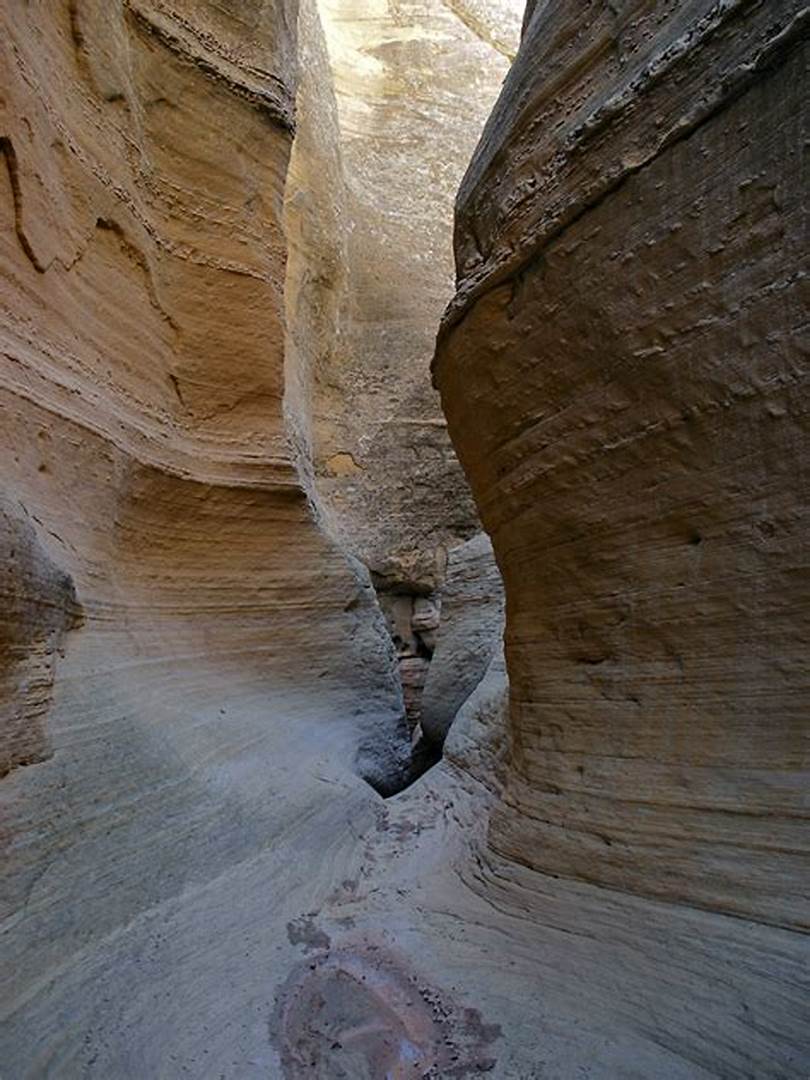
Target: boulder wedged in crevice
x,y
413,621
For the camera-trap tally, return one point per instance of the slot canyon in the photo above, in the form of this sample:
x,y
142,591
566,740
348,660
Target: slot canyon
x,y
404,516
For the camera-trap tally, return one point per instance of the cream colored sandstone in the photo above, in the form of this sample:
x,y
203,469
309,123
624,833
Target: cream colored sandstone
x,y
190,861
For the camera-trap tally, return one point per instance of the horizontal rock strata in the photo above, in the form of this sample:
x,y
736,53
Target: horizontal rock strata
x,y
150,489
194,879
624,382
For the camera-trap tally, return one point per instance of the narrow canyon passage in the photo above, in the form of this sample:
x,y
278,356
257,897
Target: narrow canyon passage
x,y
390,103
260,262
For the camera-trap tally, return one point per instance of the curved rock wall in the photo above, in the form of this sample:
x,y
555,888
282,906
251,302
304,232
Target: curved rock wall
x,y
193,879
392,100
470,634
148,483
624,382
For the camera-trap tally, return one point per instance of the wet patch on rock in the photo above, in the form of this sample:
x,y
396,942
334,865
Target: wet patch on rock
x,y
359,1013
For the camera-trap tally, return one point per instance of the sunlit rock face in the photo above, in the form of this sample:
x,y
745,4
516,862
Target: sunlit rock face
x,y
196,680
392,100
622,375
149,492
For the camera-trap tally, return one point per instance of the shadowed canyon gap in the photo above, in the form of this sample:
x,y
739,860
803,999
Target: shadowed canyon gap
x,y
243,574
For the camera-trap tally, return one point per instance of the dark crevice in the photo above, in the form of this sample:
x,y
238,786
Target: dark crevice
x,y
424,755
412,616
10,154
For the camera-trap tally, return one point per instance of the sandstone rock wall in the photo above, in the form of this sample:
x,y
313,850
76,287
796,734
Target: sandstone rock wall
x,y
193,879
39,606
478,740
624,377
150,490
392,100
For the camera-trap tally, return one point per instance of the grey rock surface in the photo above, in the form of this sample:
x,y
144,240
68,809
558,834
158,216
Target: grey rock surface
x,y
470,633
194,880
478,739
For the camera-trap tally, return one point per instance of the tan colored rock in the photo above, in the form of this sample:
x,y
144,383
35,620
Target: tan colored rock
x,y
200,738
148,477
375,169
192,863
621,369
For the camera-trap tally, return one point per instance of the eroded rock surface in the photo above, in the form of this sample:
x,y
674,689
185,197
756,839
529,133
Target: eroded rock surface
x,y
469,636
360,1013
194,879
478,740
623,374
149,477
413,622
39,606
392,102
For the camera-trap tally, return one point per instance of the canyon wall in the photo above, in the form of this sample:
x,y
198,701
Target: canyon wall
x,y
175,624
392,100
196,677
217,247
625,382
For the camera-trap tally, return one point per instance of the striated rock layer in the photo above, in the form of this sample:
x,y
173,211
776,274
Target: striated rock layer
x,y
623,374
194,880
194,677
392,99
149,491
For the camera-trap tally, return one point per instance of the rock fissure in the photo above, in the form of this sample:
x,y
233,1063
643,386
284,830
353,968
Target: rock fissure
x,y
12,167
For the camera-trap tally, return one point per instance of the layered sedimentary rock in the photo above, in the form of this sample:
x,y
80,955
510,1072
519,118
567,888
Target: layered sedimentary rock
x,y
623,374
392,101
412,622
194,676
150,493
195,881
40,605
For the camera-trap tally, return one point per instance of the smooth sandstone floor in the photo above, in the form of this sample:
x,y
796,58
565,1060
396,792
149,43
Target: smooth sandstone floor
x,y
387,917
